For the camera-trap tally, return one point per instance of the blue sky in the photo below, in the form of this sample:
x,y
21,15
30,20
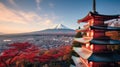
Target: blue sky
x,y
18,16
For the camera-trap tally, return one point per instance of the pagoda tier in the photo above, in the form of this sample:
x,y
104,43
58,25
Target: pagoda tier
x,y
105,57
97,57
105,42
96,52
98,41
98,17
106,28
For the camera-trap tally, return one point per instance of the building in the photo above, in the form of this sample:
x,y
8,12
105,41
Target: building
x,y
94,50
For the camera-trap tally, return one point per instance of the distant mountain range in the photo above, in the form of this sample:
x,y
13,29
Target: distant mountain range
x,y
62,29
60,26
113,23
58,29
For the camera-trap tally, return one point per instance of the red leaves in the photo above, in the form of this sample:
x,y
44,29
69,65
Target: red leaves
x,y
46,57
56,55
20,46
31,53
1,65
43,60
17,52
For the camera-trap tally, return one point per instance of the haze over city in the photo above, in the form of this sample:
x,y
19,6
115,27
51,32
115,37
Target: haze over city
x,y
18,16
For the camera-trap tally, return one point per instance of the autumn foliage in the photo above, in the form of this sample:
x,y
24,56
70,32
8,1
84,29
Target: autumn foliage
x,y
18,54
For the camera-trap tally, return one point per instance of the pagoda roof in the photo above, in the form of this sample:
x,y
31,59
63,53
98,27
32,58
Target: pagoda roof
x,y
85,53
105,57
98,16
97,41
106,28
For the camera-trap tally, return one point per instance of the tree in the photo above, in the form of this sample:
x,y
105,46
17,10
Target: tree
x,y
27,55
18,51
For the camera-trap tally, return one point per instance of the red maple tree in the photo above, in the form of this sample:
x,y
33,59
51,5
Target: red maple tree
x,y
18,51
22,52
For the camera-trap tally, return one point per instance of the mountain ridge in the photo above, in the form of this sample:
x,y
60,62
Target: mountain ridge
x,y
60,26
58,29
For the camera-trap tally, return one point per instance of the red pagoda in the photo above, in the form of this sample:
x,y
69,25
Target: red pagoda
x,y
94,50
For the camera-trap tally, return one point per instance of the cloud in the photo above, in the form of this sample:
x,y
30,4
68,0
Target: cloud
x,y
15,16
9,15
38,4
30,20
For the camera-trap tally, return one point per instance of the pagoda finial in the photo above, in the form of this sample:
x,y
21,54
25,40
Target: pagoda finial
x,y
94,6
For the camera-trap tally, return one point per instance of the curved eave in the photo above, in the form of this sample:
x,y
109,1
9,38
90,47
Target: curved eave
x,y
86,18
97,57
106,28
97,41
104,57
98,17
105,42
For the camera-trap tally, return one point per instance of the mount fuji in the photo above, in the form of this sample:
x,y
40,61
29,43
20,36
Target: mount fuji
x,y
60,26
58,29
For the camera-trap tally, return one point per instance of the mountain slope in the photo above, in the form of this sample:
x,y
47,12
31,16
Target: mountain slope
x,y
60,26
58,29
113,23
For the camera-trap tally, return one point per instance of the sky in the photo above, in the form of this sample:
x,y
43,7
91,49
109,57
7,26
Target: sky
x,y
19,16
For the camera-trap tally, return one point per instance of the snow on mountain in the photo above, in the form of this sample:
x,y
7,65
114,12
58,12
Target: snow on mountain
x,y
58,29
113,23
60,26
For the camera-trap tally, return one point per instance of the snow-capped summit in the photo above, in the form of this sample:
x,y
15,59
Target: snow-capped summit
x,y
60,26
58,29
113,23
